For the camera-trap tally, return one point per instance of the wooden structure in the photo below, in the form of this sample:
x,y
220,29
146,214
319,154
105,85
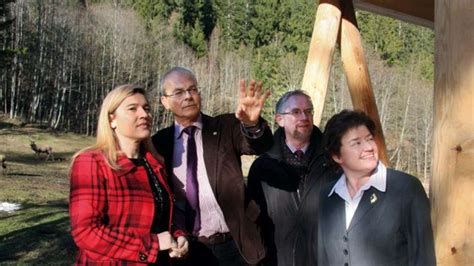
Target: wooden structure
x,y
326,29
452,182
420,12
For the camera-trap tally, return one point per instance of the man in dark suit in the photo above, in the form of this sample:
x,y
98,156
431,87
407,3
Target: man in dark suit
x,y
202,155
288,177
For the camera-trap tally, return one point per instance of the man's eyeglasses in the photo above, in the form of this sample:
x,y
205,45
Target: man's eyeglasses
x,y
180,93
298,112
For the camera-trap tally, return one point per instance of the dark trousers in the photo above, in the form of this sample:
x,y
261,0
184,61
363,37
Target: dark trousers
x,y
222,254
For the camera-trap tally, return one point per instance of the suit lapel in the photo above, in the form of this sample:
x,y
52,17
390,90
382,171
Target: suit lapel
x,y
210,140
372,198
168,148
337,217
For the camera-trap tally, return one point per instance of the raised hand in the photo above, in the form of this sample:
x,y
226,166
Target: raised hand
x,y
251,102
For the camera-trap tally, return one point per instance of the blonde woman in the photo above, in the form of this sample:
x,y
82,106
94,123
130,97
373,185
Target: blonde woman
x,y
120,202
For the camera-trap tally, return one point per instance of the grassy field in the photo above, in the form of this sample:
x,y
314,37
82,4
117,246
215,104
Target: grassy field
x,y
38,233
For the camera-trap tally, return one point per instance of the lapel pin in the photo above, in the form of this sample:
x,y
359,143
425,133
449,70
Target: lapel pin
x,y
214,133
373,199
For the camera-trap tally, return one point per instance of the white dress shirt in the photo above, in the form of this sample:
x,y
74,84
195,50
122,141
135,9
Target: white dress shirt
x,y
377,180
293,148
212,217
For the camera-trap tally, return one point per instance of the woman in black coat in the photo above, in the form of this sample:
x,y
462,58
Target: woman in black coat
x,y
371,215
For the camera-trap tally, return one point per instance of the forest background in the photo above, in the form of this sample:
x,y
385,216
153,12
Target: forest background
x,y
59,58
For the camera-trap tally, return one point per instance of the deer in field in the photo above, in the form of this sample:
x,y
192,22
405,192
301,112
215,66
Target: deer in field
x,y
3,160
42,149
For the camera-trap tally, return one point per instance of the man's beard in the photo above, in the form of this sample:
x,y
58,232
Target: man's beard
x,y
301,136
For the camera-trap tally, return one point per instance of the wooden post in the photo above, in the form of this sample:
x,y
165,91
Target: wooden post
x,y
452,183
357,73
321,50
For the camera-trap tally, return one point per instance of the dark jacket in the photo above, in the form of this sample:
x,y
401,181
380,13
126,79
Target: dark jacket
x,y
273,184
388,228
223,144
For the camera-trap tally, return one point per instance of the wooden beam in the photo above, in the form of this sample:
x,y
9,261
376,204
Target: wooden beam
x,y
321,50
420,12
357,74
452,183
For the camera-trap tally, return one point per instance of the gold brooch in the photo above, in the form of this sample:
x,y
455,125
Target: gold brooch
x,y
373,198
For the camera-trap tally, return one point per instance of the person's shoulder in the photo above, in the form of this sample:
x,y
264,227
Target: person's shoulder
x,y
263,161
316,140
89,157
90,154
325,201
326,188
227,117
317,131
401,181
162,132
265,167
225,121
400,177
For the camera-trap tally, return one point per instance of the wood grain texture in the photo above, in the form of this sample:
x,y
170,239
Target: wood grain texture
x,y
452,183
357,74
420,12
318,63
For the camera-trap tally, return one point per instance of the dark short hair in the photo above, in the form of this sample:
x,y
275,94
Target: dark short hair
x,y
281,104
339,125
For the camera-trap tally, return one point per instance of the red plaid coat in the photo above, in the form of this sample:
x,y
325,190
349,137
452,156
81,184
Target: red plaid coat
x,y
112,210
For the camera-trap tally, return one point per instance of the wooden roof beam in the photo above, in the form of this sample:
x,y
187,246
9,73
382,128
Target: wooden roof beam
x,y
420,12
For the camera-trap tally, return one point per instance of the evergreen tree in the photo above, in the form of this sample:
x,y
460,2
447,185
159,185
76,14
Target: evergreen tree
x,y
265,21
398,43
298,27
234,22
259,24
6,53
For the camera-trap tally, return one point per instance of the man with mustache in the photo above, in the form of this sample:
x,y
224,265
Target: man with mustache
x,y
280,179
202,155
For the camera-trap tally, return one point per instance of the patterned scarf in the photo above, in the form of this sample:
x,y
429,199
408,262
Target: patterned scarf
x,y
300,166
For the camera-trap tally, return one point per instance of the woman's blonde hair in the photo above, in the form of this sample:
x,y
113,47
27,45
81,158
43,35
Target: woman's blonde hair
x,y
106,141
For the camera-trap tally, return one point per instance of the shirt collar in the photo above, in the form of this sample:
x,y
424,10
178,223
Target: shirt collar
x,y
126,165
293,148
378,180
178,128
